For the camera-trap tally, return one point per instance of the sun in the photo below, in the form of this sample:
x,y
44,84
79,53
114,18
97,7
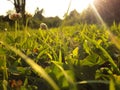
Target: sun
x,y
91,1
81,5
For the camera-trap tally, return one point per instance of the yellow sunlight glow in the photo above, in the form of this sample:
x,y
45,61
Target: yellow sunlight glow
x,y
51,7
113,38
80,5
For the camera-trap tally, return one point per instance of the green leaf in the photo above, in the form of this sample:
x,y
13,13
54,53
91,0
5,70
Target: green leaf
x,y
75,52
1,62
99,41
26,82
92,60
2,51
50,56
112,85
86,47
60,56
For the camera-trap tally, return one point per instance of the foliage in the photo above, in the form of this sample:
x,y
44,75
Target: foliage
x,y
73,18
108,10
80,57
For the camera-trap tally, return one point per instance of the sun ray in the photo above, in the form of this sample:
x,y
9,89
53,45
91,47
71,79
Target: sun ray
x,y
113,38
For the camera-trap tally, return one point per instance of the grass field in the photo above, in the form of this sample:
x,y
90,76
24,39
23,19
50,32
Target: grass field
x,y
80,57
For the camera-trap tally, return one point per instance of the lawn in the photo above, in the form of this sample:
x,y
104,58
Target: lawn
x,y
80,57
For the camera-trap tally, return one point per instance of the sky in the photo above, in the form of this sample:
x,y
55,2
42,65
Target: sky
x,y
51,7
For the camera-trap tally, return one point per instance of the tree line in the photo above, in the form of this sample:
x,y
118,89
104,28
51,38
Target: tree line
x,y
107,9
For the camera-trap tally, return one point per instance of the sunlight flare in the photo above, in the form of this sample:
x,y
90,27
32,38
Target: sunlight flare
x,y
81,4
113,38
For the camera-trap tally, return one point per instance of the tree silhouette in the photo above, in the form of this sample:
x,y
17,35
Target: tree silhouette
x,y
38,14
109,10
20,8
72,18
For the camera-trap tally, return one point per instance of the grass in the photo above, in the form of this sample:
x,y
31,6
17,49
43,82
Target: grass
x,y
68,58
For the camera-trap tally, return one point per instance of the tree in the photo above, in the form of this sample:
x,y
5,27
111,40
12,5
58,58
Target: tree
x,y
88,16
72,18
108,10
20,8
36,19
52,21
38,14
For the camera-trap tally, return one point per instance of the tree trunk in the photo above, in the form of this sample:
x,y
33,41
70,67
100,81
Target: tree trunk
x,y
20,8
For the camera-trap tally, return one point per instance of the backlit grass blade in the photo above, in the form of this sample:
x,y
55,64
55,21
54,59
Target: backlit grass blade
x,y
105,53
112,85
115,40
41,72
93,81
68,78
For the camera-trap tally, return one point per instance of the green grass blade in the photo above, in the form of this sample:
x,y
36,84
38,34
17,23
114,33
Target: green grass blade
x,y
41,72
105,53
68,78
112,85
93,81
